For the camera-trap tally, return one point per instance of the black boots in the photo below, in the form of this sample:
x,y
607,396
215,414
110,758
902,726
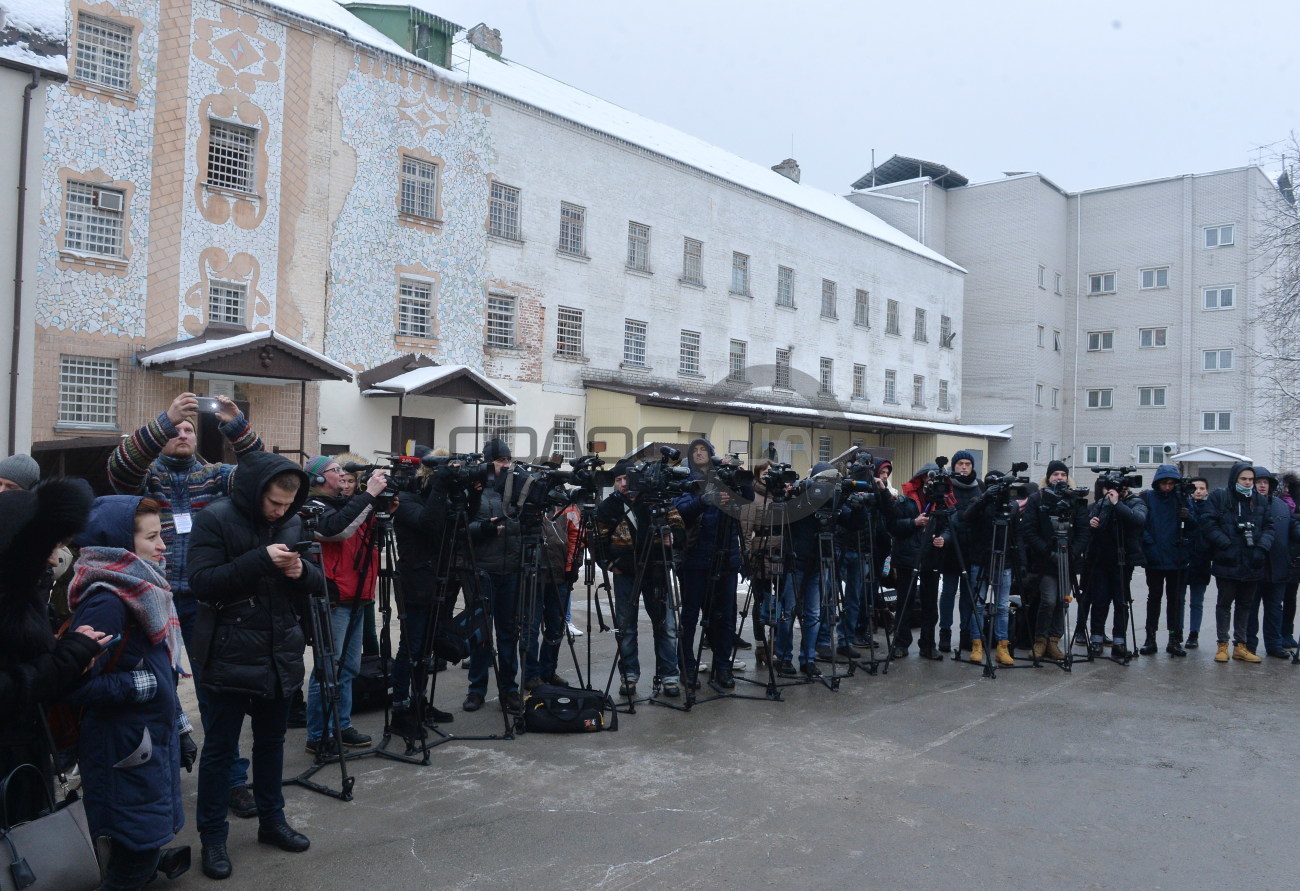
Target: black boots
x,y
1175,647
1149,645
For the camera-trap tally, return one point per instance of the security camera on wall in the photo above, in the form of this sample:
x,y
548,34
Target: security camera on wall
x,y
1171,447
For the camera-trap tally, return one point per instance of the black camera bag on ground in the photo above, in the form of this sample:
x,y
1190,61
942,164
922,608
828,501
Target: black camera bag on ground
x,y
553,709
465,632
370,688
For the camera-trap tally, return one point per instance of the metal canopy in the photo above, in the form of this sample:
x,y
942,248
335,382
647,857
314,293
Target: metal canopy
x,y
899,168
259,354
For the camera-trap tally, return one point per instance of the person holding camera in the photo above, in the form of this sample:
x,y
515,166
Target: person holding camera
x,y
1277,568
1117,518
966,488
161,461
980,518
246,569
1056,506
1166,544
1239,530
630,546
917,555
861,525
350,562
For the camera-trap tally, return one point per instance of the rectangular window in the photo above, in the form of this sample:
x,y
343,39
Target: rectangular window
x,y
499,425
826,376
231,150
689,353
634,338
1100,398
1096,454
1042,335
943,396
1150,454
1042,277
739,273
503,212
1038,452
568,332
1038,394
1157,277
862,309
501,320
1051,451
573,229
103,52
782,377
1056,341
1152,338
1056,397
829,295
946,334
93,219
693,261
1151,397
564,436
1216,421
784,286
859,382
1058,283
87,391
1216,360
824,448
1218,298
891,386
918,391
638,247
414,309
891,318
1101,283
918,328
737,360
1101,340
1219,236
419,188
226,302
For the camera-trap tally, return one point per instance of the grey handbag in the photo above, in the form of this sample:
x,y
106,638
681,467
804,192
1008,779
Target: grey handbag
x,y
53,851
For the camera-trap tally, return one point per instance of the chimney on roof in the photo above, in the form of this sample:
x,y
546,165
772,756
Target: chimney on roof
x,y
789,168
485,38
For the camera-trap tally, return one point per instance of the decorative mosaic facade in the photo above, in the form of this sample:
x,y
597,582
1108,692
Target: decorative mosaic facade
x,y
384,113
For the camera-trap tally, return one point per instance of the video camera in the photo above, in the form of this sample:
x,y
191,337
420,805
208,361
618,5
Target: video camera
x,y
777,480
659,480
1060,498
457,472
938,483
731,473
402,471
1117,477
1002,487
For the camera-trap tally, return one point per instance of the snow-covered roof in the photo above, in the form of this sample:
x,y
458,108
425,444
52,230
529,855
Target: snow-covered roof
x,y
332,15
201,348
986,431
419,378
1207,455
33,34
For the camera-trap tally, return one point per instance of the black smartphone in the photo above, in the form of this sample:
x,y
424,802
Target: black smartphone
x,y
209,405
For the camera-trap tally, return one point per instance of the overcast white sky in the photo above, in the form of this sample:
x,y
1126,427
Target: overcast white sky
x,y
1089,94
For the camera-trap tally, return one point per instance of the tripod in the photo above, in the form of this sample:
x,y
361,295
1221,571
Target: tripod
x,y
1108,515
765,556
997,570
927,555
830,591
867,583
1066,591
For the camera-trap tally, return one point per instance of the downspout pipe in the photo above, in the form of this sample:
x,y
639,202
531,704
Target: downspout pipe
x,y
15,340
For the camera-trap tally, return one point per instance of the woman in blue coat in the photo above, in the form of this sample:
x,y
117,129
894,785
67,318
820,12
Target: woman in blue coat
x,y
130,749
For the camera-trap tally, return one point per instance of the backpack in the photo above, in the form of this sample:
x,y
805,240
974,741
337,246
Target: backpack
x,y
553,709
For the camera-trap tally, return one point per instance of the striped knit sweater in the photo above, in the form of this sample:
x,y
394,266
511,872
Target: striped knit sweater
x,y
181,485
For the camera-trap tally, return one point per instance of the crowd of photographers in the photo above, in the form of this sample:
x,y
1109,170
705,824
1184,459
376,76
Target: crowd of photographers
x,y
245,565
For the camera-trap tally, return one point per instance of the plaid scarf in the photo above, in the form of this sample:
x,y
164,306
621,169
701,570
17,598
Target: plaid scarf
x,y
141,586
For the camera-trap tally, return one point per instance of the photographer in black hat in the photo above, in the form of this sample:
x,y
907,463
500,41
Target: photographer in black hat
x,y
1056,502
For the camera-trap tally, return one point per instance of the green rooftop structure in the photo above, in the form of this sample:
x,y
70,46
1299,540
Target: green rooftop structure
x,y
419,32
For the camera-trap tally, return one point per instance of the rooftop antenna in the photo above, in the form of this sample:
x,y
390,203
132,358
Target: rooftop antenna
x,y
873,168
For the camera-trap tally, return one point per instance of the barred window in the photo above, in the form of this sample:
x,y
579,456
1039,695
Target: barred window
x,y
568,332
415,309
503,212
500,320
829,296
93,219
891,386
737,360
919,333
690,353
784,286
826,376
638,247
419,188
943,396
946,334
231,149
226,302
891,318
693,261
103,52
634,338
918,391
87,391
824,448
862,309
499,425
782,377
859,382
573,229
565,436
739,273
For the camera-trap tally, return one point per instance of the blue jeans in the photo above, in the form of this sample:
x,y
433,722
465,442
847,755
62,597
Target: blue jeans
x,y
548,617
220,742
661,618
719,623
186,610
1197,607
1270,594
1003,594
802,592
501,591
347,624
951,592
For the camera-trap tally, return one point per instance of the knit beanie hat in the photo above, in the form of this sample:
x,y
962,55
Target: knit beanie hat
x,y
21,469
1057,465
963,455
316,466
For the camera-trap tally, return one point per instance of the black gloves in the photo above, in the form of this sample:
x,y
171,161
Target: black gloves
x,y
189,752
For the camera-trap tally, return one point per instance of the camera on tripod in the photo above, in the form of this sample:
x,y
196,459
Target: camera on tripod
x,y
1003,487
1117,477
938,483
731,472
1060,498
659,480
778,479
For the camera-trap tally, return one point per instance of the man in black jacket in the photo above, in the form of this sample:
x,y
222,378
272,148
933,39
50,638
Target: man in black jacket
x,y
245,572
1238,527
1277,567
1051,505
1117,519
